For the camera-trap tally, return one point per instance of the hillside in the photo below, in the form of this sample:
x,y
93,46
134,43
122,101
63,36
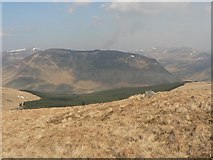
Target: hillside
x,y
187,63
12,56
167,124
69,71
11,98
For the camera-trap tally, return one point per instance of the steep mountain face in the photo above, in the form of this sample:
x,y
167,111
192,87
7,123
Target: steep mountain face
x,y
12,59
187,63
70,71
13,56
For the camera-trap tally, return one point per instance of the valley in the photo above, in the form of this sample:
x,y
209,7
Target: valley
x,y
89,104
49,100
106,79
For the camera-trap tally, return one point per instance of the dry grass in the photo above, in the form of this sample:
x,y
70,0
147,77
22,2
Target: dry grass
x,y
11,98
168,124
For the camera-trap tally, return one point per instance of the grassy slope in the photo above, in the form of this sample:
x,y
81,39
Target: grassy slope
x,y
61,100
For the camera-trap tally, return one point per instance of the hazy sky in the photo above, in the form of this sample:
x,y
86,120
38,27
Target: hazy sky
x,y
112,25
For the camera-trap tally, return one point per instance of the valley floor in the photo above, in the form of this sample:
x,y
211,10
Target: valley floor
x,y
167,124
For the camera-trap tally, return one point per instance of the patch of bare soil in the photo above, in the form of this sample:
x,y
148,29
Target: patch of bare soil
x,y
167,124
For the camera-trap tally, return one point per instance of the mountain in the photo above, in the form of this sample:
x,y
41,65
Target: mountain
x,y
12,56
63,70
11,59
187,63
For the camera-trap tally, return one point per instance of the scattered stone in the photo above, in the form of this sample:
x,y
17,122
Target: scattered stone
x,y
149,93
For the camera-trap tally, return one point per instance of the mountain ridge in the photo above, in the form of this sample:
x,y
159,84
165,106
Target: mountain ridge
x,y
66,70
185,62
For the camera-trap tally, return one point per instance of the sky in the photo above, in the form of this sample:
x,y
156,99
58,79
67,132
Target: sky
x,y
106,25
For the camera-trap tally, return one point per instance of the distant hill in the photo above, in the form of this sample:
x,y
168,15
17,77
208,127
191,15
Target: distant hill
x,y
14,56
12,59
70,71
187,63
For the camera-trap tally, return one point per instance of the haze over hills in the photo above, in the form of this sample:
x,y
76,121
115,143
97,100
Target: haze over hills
x,y
64,70
88,93
187,63
13,56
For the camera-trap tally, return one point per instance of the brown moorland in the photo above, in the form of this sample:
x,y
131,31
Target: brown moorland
x,y
167,124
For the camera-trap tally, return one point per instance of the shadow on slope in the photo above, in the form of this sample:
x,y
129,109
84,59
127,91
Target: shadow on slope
x,y
62,100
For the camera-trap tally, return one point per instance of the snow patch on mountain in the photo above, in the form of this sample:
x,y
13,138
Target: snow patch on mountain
x,y
35,49
17,50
